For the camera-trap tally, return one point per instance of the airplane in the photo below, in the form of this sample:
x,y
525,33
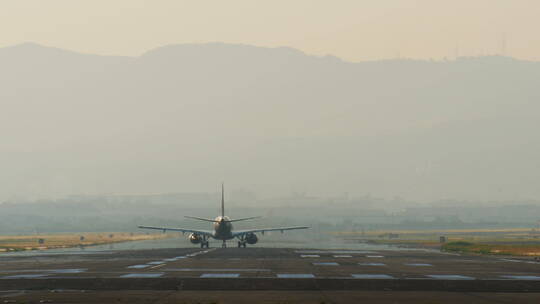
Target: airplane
x,y
223,229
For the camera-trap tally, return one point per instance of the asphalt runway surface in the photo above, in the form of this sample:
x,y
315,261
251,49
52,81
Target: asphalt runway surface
x,y
266,275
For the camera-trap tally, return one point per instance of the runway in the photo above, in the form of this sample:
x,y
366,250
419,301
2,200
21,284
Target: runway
x,y
268,269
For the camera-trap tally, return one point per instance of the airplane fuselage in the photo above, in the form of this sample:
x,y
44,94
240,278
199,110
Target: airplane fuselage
x,y
222,228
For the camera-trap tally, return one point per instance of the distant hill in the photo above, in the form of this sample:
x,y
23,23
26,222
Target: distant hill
x,y
272,120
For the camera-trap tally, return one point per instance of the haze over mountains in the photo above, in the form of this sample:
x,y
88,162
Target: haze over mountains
x,y
272,120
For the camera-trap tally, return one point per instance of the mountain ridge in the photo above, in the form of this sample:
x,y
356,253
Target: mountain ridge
x,y
74,123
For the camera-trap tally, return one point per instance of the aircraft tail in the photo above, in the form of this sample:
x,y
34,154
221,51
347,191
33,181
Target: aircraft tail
x,y
222,200
222,212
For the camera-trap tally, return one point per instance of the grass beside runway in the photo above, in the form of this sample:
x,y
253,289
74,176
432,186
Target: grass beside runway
x,y
524,249
10,243
511,241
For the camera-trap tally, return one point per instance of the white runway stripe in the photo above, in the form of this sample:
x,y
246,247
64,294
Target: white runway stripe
x,y
372,276
25,276
220,275
295,276
449,277
138,266
310,256
325,264
371,264
218,269
77,270
418,265
334,252
141,275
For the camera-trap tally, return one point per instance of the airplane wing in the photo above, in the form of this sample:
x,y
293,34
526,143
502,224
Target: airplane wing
x,y
201,232
263,230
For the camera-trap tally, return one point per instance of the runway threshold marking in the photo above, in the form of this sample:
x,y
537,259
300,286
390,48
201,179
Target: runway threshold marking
x,y
220,275
372,276
449,277
295,276
141,275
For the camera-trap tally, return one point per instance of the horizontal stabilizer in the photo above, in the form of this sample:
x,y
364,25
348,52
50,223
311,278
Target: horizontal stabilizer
x,y
227,221
244,219
200,219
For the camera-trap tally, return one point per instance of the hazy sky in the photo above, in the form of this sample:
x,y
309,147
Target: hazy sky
x,y
351,29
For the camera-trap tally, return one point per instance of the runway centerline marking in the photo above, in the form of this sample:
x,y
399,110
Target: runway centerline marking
x,y
220,275
217,269
374,256
310,256
334,252
156,263
141,266
157,266
295,276
73,270
200,252
342,256
325,264
372,276
371,264
141,275
418,264
449,277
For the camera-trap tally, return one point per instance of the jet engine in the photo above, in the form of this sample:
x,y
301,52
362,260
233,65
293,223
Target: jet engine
x,y
251,238
195,238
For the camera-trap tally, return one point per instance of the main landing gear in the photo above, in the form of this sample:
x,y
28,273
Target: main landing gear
x,y
205,243
224,245
242,242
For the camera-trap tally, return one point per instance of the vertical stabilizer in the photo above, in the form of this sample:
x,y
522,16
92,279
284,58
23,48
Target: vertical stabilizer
x,y
222,199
